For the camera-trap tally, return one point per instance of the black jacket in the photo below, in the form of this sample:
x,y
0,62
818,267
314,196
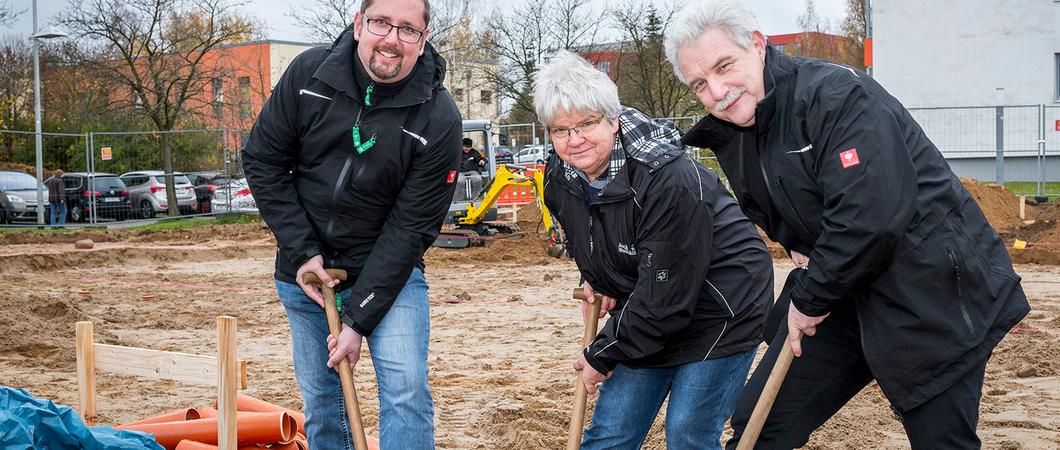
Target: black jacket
x,y
471,161
851,180
691,275
373,213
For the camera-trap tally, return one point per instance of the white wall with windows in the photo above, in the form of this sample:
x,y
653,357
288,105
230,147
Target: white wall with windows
x,y
960,52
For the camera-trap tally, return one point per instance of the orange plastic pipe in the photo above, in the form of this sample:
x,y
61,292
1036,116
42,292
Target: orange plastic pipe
x,y
196,445
252,428
248,403
172,416
207,412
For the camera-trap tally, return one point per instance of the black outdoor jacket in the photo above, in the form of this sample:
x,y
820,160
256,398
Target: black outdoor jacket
x,y
374,213
691,276
852,181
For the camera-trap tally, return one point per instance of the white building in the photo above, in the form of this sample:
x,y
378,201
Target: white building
x,y
944,54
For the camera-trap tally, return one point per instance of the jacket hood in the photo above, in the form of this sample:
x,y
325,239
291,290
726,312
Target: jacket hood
x,y
337,71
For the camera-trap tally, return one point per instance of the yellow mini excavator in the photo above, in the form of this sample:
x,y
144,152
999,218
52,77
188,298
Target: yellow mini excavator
x,y
472,225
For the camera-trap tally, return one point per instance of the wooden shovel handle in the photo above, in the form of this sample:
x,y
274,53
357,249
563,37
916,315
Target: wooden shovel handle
x,y
766,398
312,278
577,418
349,391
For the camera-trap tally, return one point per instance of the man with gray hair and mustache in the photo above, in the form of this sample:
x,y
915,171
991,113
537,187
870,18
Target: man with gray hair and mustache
x,y
900,278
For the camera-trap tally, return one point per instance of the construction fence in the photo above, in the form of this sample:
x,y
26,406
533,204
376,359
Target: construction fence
x,y
1014,145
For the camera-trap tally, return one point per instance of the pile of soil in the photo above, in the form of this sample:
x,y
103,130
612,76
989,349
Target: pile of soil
x,y
999,204
40,326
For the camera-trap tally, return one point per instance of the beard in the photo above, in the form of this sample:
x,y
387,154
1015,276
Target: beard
x,y
381,70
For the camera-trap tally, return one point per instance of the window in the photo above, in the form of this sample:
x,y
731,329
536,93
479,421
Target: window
x,y
486,96
1056,94
218,97
458,93
604,66
244,97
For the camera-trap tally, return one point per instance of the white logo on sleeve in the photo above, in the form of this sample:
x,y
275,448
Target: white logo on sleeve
x,y
367,299
802,150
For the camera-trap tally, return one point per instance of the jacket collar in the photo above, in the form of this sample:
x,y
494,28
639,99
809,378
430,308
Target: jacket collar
x,y
653,143
338,68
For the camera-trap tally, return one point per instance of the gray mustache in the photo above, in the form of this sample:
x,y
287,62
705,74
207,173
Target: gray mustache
x,y
727,101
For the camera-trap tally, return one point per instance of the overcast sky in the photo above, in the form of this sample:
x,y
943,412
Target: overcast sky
x,y
775,16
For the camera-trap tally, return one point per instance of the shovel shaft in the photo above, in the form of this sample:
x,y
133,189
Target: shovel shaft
x,y
349,391
577,418
765,400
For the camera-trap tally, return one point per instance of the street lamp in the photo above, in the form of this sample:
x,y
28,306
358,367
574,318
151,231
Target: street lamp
x,y
37,36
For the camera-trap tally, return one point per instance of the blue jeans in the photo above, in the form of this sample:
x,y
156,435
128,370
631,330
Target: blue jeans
x,y
399,353
58,209
702,397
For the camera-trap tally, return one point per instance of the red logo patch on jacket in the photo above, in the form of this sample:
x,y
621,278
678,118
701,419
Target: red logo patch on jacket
x,y
849,158
451,178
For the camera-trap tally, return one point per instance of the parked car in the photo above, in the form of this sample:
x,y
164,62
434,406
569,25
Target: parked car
x,y
104,192
533,154
503,155
241,198
206,184
6,207
147,192
20,190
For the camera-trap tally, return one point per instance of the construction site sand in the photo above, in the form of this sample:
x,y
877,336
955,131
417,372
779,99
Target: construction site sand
x,y
500,359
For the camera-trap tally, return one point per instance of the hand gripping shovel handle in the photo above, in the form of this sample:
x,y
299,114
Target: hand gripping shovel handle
x,y
349,391
577,418
765,400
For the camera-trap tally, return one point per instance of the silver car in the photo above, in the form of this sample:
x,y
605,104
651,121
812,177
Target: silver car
x,y
20,191
147,193
237,194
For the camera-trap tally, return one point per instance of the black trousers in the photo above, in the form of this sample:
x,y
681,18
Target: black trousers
x,y
830,372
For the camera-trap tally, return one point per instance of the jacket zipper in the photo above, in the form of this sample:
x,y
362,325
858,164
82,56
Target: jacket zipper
x,y
960,294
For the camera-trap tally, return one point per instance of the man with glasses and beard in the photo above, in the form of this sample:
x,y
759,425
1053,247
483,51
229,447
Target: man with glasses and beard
x,y
352,163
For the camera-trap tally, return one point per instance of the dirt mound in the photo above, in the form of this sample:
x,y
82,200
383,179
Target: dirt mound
x,y
998,203
234,232
61,237
47,262
528,422
528,218
40,325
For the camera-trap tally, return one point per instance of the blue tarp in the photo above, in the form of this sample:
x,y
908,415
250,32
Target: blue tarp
x,y
27,422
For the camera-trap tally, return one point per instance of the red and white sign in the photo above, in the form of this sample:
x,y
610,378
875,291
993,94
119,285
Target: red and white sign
x,y
452,177
105,154
849,158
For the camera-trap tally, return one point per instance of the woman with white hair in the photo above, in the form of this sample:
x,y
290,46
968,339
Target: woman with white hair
x,y
683,271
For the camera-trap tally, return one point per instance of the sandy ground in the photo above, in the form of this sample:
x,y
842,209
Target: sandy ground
x,y
500,360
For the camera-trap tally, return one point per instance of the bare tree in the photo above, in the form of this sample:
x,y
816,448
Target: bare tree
x,y
155,55
323,20
16,80
644,77
819,41
855,27
7,13
525,36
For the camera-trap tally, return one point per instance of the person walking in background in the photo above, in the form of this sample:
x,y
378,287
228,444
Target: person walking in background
x,y
686,274
904,281
352,163
56,198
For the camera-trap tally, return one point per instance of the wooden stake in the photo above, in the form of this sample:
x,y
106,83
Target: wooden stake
x,y
227,381
1023,207
86,370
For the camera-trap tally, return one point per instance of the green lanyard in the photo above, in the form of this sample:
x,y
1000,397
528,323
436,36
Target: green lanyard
x,y
362,147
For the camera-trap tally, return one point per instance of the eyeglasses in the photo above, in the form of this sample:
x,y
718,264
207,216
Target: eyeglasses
x,y
380,27
562,134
